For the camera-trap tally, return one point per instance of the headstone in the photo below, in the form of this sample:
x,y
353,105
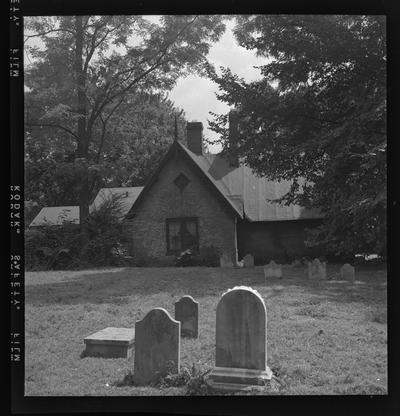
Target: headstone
x,y
317,270
248,260
272,270
241,342
187,313
110,343
157,346
225,261
296,263
347,272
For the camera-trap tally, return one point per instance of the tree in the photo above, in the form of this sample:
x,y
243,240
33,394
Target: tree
x,y
138,134
90,64
316,117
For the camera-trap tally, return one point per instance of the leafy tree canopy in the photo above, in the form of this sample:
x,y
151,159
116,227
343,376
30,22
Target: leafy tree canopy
x,y
96,109
318,113
138,135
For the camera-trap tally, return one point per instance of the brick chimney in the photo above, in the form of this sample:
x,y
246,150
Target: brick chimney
x,y
194,132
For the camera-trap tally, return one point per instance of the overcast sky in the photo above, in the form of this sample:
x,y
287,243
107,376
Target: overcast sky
x,y
196,95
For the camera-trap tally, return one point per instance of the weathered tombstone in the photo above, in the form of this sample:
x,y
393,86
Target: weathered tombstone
x,y
296,263
157,346
110,343
317,270
187,313
347,272
248,260
272,270
241,341
225,261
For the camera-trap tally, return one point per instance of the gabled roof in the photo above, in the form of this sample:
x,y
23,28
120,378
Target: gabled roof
x,y
56,216
241,184
216,187
244,192
128,197
59,215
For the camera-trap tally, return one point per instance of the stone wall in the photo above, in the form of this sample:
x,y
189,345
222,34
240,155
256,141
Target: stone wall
x,y
217,225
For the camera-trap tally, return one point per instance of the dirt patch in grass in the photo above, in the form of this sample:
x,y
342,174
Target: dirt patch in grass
x,y
322,338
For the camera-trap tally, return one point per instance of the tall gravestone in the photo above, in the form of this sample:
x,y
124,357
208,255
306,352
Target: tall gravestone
x,y
241,342
157,346
272,270
248,260
317,270
187,313
347,272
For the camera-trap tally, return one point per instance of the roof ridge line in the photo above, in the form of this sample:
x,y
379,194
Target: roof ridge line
x,y
207,173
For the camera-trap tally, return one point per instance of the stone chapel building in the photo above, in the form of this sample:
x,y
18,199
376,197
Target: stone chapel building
x,y
195,199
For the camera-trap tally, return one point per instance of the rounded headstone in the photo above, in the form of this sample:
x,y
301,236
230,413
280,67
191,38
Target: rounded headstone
x,y
187,313
157,346
347,272
241,330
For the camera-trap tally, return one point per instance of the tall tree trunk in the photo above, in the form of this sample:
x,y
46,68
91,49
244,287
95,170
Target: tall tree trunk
x,y
83,142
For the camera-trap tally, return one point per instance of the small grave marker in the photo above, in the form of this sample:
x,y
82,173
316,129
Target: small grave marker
x,y
317,270
157,346
296,263
187,313
347,272
248,260
272,270
225,261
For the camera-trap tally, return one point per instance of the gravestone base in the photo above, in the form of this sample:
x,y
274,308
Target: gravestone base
x,y
110,343
235,379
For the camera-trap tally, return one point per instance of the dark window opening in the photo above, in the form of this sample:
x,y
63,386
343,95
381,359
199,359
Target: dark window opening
x,y
182,234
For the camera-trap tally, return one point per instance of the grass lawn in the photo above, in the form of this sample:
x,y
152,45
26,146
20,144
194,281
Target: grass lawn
x,y
324,337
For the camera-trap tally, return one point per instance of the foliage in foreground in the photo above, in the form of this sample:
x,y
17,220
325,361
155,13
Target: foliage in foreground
x,y
59,247
207,256
192,379
317,117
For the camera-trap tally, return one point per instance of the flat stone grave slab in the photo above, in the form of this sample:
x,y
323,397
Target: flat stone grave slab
x,y
110,343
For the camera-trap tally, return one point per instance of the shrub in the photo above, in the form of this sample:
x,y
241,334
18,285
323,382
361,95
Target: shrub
x,y
60,247
48,245
107,237
185,259
207,256
142,259
197,386
192,378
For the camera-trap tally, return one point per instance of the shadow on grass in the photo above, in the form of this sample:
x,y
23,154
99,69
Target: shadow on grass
x,y
118,286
